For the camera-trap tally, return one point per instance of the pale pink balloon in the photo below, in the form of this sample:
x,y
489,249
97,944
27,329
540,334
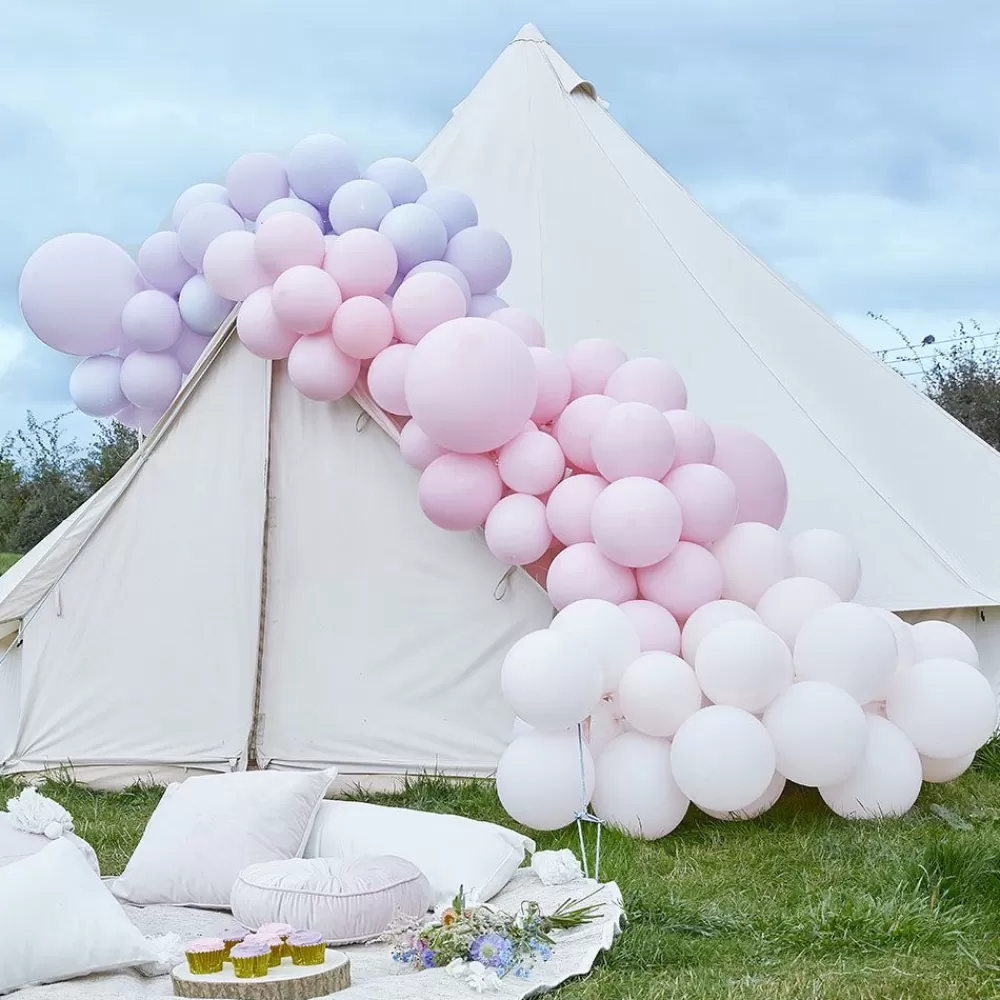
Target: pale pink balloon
x,y
305,298
756,470
574,430
516,530
532,463
554,385
580,572
648,380
636,522
471,385
693,438
688,578
522,323
362,327
387,377
260,330
201,226
361,261
591,364
658,629
457,492
570,506
634,439
417,449
288,239
707,497
320,370
423,302
231,267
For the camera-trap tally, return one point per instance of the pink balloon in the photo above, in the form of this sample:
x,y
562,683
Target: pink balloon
x,y
756,470
201,226
362,327
516,530
361,261
260,330
231,267
387,378
554,385
151,320
522,323
440,267
161,262
570,505
658,629
457,492
636,522
707,497
320,370
471,385
189,348
423,302
305,298
648,380
574,430
287,239
580,572
532,463
634,439
591,363
688,578
150,381
253,181
693,438
417,449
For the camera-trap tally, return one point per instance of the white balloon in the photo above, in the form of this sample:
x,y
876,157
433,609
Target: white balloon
x,y
539,779
934,640
785,607
905,646
605,724
605,629
937,771
945,707
756,808
710,616
722,758
885,783
819,733
848,645
635,789
520,728
830,557
743,664
552,680
657,693
753,557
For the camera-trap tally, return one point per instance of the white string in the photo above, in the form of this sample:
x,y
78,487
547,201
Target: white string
x,y
585,816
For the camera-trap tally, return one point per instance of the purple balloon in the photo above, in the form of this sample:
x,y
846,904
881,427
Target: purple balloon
x,y
253,181
129,417
162,264
456,208
482,255
401,178
359,204
486,305
95,386
200,226
151,320
189,348
201,308
450,271
318,165
148,419
198,194
150,381
72,292
417,234
290,205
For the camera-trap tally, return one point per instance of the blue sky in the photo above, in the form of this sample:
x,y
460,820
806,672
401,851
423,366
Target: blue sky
x,y
853,144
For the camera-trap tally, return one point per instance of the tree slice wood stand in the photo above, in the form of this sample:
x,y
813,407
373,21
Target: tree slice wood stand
x,y
283,982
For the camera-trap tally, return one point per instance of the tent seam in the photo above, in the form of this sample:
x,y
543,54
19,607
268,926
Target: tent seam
x,y
537,185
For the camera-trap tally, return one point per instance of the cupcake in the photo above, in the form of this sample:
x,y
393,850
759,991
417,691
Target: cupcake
x,y
251,959
232,936
273,943
307,948
281,930
205,955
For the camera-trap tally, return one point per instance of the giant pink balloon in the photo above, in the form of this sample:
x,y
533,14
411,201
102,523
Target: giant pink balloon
x,y
554,385
636,522
231,266
591,363
161,262
201,226
574,430
693,438
72,292
471,385
254,180
658,629
516,530
648,380
417,449
634,439
531,463
151,320
287,239
260,330
150,381
457,492
305,298
580,572
361,261
756,470
362,327
320,370
387,378
522,323
423,302
707,497
570,506
688,578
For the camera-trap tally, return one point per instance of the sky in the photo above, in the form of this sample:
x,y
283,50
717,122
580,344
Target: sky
x,y
852,144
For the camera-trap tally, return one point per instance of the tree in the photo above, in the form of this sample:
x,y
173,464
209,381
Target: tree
x,y
110,449
12,495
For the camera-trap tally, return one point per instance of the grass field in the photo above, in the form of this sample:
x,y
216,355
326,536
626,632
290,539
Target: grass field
x,y
795,905
7,559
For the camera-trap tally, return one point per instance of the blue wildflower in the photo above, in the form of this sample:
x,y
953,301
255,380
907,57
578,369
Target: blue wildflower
x,y
493,950
427,956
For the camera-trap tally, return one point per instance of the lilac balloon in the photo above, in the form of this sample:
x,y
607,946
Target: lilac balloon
x,y
151,320
482,255
516,530
387,378
148,419
253,181
401,178
456,208
151,381
72,292
231,266
417,449
359,204
128,417
486,305
440,267
636,522
580,572
290,205
570,505
259,329
320,370
95,386
201,226
757,472
318,165
416,233
162,264
201,308
457,492
198,194
189,348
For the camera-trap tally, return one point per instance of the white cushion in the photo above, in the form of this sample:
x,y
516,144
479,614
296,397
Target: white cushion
x,y
16,844
58,921
451,851
206,830
346,900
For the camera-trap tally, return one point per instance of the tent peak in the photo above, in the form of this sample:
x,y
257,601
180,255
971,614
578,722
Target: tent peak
x,y
529,33
569,79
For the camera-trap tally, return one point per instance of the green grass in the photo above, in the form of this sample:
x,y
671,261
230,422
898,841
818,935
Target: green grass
x,y
7,559
796,905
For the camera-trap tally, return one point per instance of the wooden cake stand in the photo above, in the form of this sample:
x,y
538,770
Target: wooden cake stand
x,y
283,982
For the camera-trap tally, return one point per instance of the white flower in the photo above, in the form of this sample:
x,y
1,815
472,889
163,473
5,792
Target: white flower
x,y
483,979
456,968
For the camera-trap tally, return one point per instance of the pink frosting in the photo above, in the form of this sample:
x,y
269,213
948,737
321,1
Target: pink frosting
x,y
282,930
249,949
205,944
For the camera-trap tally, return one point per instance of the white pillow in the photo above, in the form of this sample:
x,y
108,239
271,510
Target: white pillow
x,y
451,851
207,830
58,921
16,845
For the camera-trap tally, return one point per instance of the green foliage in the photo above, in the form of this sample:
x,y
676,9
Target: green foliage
x,y
7,559
111,448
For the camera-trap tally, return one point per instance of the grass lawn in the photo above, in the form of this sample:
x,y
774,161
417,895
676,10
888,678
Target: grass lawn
x,y
797,904
7,559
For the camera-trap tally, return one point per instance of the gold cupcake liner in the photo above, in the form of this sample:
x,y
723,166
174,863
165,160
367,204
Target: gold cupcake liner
x,y
204,963
254,967
312,954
